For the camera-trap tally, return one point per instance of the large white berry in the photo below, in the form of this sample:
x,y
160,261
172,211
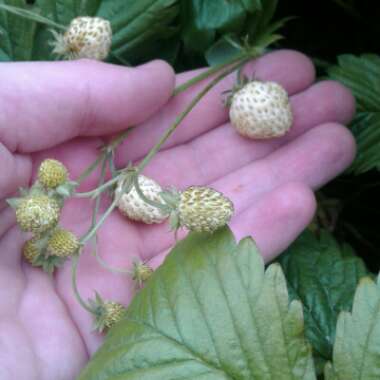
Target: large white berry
x,y
131,205
86,37
261,110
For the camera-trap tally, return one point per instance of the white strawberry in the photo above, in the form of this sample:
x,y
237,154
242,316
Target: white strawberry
x,y
261,110
134,207
86,37
203,209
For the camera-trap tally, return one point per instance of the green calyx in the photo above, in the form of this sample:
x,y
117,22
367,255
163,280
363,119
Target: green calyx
x,y
141,272
35,253
106,313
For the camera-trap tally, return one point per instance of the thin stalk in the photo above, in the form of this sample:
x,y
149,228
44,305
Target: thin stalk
x,y
90,169
117,140
99,197
98,190
205,74
107,150
108,267
188,109
94,215
74,267
93,230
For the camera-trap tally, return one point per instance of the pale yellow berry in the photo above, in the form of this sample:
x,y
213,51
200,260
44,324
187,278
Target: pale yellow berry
x,y
203,209
62,243
30,250
261,110
86,37
141,272
113,313
52,173
37,213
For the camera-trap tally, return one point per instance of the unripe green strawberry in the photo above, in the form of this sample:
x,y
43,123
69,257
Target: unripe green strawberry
x,y
203,209
37,213
86,37
261,110
34,253
106,313
131,205
114,312
30,251
62,243
52,173
141,272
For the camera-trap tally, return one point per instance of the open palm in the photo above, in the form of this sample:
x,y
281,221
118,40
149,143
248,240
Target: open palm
x,y
59,110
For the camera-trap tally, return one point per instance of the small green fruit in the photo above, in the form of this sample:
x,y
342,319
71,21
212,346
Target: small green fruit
x,y
52,173
37,213
62,243
30,251
141,272
106,313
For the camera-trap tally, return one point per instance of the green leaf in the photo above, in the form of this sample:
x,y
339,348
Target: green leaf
x,y
203,19
218,14
223,50
323,275
258,22
64,11
136,23
357,345
252,5
362,76
17,34
209,312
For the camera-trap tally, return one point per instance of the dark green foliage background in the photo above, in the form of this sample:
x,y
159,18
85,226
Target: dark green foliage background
x,y
325,30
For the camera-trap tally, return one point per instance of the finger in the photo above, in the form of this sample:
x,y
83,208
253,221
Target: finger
x,y
77,155
277,220
19,169
326,101
12,280
43,104
312,159
273,223
222,150
15,171
291,69
7,219
40,294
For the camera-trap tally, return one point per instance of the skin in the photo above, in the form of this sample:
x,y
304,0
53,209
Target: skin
x,y
64,110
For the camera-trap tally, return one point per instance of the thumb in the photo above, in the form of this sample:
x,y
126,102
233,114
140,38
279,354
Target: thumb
x,y
43,104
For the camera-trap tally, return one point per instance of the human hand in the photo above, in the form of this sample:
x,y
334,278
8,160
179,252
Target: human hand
x,y
60,110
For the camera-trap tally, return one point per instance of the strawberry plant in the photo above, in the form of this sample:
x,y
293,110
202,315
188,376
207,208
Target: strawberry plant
x,y
201,304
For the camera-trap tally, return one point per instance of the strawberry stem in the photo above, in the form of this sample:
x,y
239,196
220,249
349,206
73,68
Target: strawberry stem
x,y
188,109
93,230
74,267
96,192
94,215
212,70
141,194
106,150
105,265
